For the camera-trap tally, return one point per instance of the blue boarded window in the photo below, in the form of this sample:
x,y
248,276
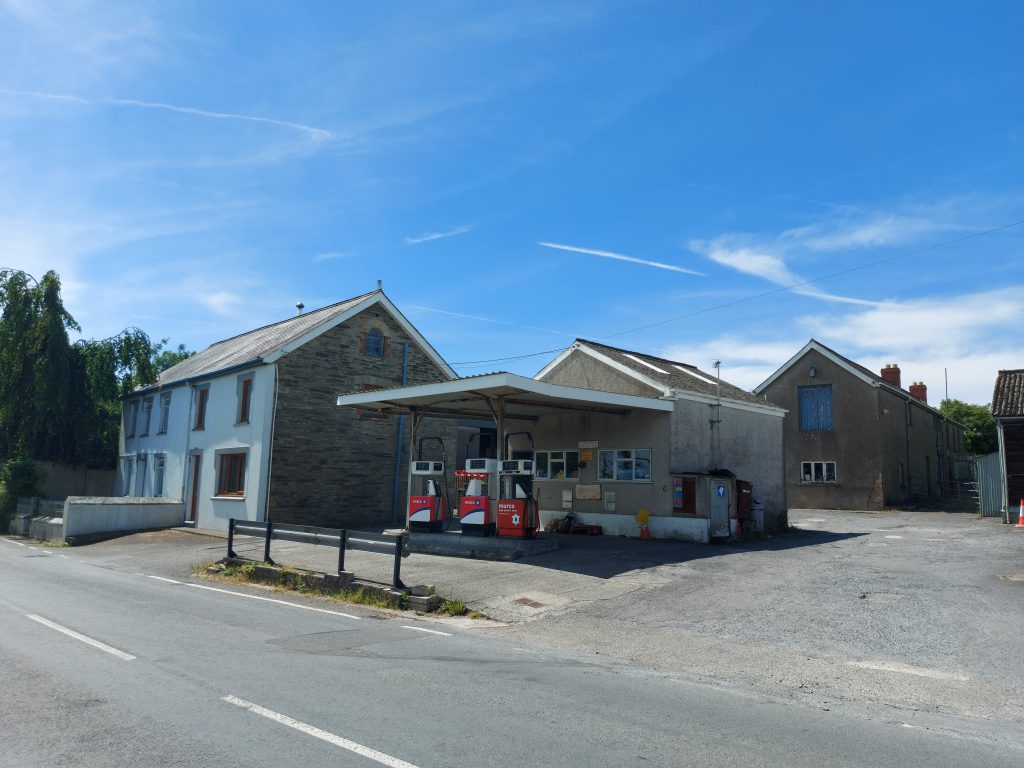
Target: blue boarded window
x,y
815,408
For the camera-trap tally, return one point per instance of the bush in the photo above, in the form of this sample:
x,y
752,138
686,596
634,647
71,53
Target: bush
x,y
18,477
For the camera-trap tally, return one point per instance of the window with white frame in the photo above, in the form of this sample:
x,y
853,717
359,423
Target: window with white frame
x,y
556,465
159,464
165,413
625,465
146,415
126,475
140,475
131,413
818,472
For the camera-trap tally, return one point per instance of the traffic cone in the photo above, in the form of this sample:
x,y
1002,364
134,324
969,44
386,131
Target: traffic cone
x,y
1020,515
645,532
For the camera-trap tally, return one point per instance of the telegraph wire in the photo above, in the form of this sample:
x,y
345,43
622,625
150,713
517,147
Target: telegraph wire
x,y
761,295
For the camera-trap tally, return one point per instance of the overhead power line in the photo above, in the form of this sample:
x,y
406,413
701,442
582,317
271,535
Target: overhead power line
x,y
761,295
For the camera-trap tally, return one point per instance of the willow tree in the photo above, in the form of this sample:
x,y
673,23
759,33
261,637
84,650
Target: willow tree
x,y
61,401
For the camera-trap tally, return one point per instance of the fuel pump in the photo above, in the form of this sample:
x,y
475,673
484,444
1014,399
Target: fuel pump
x,y
428,503
517,507
476,508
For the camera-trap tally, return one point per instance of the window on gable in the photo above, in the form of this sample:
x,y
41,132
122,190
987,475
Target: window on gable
x,y
815,404
375,343
244,398
146,416
231,474
165,413
202,395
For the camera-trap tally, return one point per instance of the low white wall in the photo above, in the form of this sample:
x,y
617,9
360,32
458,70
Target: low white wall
x,y
100,514
684,528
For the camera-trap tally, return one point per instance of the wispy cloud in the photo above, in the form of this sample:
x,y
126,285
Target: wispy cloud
x,y
316,134
877,230
430,236
331,256
734,252
621,257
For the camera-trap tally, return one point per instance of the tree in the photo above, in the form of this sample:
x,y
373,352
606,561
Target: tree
x,y
61,401
979,426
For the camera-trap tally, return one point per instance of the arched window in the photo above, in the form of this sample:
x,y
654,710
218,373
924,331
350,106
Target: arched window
x,y
374,343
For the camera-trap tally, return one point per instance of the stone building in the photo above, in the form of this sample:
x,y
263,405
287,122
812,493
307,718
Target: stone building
x,y
1008,411
856,439
248,428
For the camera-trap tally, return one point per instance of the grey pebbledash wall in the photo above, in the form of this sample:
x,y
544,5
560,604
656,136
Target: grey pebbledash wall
x,y
332,466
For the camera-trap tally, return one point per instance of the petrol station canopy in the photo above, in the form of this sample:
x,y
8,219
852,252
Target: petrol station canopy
x,y
498,396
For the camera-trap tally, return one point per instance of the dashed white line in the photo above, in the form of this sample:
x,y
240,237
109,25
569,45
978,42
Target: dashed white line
x,y
64,556
424,629
31,547
310,730
78,636
12,542
907,669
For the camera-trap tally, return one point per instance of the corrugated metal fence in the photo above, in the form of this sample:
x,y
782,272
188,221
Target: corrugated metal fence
x,y
990,485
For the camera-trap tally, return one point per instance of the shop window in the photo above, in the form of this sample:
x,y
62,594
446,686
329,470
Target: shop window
x,y
625,465
556,465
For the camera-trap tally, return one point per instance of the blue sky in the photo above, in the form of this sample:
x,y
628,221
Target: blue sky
x,y
521,174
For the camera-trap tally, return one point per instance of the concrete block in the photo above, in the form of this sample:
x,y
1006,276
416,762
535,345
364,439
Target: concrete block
x,y
424,603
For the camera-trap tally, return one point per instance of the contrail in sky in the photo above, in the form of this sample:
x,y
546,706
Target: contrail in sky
x,y
622,257
317,134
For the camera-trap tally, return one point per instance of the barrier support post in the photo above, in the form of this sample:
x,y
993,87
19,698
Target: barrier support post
x,y
231,538
397,580
342,542
266,544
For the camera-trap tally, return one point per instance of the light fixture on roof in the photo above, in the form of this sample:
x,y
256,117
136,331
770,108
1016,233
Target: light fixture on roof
x,y
299,306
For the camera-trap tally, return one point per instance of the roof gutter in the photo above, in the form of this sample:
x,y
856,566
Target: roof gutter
x,y
191,380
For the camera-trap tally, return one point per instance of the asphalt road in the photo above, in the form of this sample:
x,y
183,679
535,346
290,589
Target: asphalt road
x,y
163,672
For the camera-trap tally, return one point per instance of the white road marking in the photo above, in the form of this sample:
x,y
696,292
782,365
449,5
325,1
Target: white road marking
x,y
77,636
31,547
423,629
272,600
64,556
907,669
309,730
161,578
894,537
12,542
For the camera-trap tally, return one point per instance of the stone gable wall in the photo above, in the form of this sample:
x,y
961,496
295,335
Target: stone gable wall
x,y
331,466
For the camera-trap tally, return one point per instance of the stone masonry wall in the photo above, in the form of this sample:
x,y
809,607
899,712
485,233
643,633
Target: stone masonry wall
x,y
331,466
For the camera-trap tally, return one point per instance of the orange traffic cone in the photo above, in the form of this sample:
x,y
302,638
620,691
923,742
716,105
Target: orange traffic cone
x,y
1020,515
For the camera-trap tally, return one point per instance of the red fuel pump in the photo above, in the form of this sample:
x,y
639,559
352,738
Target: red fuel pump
x,y
517,508
476,508
428,509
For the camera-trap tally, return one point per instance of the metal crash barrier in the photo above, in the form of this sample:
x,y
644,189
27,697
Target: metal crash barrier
x,y
359,541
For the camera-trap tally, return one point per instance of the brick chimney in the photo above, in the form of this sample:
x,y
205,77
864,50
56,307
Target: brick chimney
x,y
920,391
891,374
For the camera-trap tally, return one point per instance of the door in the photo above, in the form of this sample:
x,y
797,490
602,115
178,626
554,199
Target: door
x,y
193,502
719,508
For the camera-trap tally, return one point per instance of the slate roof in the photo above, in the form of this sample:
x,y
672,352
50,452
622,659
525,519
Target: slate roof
x,y
1008,395
680,376
252,346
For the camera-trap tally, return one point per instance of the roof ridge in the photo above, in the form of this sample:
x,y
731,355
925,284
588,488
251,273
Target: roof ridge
x,y
635,352
291,319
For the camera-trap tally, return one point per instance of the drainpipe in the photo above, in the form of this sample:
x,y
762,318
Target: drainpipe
x,y
398,437
270,452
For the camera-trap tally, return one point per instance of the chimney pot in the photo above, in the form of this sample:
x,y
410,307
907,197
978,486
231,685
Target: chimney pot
x,y
891,374
919,391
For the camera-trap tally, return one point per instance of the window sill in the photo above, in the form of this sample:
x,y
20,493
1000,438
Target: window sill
x,y
241,423
228,498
